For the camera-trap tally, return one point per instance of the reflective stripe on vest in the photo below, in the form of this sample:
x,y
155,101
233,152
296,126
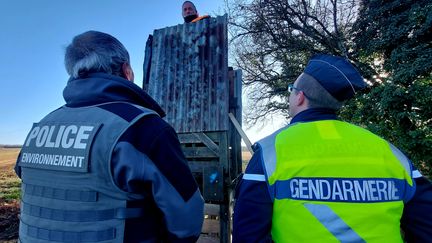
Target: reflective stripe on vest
x,y
331,177
253,177
333,223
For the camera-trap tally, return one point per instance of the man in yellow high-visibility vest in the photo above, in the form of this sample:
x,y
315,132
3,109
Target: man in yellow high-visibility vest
x,y
324,180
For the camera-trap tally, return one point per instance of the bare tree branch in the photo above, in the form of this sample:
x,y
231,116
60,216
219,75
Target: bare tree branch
x,y
273,39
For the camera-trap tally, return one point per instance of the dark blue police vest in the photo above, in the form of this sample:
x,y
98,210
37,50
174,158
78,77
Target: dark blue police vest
x,y
68,192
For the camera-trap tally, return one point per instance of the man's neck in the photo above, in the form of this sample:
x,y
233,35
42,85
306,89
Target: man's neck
x,y
314,114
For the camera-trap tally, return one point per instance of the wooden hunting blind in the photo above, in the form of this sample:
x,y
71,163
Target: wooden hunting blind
x,y
186,71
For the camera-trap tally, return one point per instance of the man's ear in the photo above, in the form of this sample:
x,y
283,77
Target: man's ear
x,y
301,98
128,72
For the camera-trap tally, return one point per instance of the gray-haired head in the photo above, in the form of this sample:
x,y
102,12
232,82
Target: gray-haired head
x,y
316,94
94,51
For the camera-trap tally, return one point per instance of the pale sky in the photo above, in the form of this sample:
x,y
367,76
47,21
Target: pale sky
x,y
34,34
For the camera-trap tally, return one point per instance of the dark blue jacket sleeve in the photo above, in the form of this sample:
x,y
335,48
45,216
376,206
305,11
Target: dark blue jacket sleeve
x,y
148,160
416,220
253,205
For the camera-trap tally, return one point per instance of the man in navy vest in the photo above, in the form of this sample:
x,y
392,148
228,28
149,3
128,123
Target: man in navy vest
x,y
105,167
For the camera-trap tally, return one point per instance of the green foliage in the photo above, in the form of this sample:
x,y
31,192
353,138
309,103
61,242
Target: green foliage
x,y
399,35
389,40
384,111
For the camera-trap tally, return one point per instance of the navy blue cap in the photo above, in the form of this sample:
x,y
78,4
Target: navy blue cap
x,y
336,74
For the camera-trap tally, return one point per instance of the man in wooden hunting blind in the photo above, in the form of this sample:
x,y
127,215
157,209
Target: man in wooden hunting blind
x,y
105,167
190,13
324,180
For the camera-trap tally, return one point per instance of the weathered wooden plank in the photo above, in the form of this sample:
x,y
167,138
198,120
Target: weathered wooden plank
x,y
198,152
188,74
147,62
224,153
190,138
235,77
198,166
211,209
208,239
207,141
210,226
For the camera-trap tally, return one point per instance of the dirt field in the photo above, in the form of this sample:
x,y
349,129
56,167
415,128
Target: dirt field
x,y
9,195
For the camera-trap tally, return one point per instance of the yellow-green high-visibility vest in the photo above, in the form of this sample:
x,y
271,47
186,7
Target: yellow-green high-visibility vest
x,y
335,182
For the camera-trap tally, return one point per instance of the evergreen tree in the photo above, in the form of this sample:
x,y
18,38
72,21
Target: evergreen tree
x,y
396,38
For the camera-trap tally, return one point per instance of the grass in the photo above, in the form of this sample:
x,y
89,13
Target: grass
x,y
9,187
10,184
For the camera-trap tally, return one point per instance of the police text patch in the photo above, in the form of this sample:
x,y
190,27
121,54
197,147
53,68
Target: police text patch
x,y
59,146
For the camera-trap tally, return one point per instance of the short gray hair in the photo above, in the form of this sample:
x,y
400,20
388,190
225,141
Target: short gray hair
x,y
316,94
94,51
